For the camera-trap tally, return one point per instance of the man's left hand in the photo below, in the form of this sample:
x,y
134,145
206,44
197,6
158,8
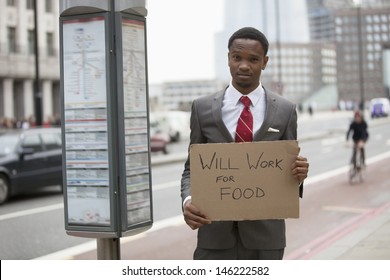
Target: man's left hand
x,y
300,168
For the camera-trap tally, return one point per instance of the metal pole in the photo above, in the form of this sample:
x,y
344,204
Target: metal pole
x,y
278,47
361,75
108,249
37,94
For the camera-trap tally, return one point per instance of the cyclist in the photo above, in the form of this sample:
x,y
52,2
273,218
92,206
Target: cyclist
x,y
359,137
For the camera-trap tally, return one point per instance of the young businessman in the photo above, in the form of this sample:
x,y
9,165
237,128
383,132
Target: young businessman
x,y
225,117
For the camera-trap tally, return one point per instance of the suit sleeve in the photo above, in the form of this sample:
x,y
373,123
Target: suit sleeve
x,y
291,130
293,124
196,136
291,133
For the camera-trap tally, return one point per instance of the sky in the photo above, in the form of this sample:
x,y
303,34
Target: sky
x,y
180,38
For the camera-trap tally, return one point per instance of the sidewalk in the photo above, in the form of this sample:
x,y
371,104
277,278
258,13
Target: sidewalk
x,y
366,236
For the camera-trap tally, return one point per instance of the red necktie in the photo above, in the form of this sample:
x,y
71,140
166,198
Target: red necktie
x,y
244,131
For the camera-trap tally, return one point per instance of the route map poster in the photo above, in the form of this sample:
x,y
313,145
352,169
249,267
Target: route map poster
x,y
85,121
135,122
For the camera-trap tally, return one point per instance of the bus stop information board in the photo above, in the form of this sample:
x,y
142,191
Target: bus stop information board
x,y
135,121
85,121
89,103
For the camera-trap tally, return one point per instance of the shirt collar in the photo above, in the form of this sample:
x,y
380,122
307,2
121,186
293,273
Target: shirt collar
x,y
233,95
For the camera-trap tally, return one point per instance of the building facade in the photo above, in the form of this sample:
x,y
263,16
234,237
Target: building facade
x,y
338,43
362,36
321,19
179,95
292,26
17,59
305,68
343,52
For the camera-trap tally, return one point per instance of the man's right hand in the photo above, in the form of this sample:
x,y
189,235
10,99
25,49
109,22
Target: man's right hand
x,y
193,217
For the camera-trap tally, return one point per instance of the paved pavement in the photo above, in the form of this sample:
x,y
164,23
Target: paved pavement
x,y
359,228
365,236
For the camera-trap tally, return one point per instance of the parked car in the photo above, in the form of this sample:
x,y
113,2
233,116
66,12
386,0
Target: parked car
x,y
379,107
29,159
159,141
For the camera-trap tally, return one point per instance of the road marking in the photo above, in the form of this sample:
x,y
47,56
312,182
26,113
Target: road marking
x,y
58,206
331,141
336,208
327,150
343,169
31,211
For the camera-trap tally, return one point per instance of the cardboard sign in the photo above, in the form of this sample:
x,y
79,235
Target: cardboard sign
x,y
245,181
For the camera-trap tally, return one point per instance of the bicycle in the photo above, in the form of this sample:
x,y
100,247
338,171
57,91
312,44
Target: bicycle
x,y
356,172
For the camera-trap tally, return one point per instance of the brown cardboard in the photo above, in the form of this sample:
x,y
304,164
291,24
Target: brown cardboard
x,y
245,181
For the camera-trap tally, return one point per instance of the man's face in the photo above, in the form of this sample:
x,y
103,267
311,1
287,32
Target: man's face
x,y
246,60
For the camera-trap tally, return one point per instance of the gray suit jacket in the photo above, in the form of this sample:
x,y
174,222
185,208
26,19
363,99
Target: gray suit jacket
x,y
207,126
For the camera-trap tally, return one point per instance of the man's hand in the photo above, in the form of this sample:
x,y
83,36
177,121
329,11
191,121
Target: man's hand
x,y
193,217
300,168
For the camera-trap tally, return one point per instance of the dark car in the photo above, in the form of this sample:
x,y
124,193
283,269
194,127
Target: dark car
x,y
29,159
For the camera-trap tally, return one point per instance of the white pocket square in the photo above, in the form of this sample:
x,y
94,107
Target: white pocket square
x,y
273,130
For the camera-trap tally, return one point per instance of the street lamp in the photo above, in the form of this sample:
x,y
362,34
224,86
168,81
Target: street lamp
x,y
279,84
37,93
360,52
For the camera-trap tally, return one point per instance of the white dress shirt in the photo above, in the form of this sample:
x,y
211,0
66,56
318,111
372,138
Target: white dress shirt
x,y
232,108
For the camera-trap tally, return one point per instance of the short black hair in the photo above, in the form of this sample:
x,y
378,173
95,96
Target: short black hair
x,y
250,33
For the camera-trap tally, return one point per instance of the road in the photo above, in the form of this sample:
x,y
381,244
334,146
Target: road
x,y
33,225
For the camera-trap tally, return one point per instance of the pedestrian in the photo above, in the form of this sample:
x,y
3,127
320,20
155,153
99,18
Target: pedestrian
x,y
359,130
214,119
310,109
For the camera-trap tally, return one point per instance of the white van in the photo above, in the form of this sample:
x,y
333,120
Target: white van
x,y
379,107
174,123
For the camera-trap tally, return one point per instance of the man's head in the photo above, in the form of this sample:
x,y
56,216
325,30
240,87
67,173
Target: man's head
x,y
250,33
247,57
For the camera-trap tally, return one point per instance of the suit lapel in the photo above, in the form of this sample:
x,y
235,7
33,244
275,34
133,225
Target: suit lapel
x,y
217,114
270,112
